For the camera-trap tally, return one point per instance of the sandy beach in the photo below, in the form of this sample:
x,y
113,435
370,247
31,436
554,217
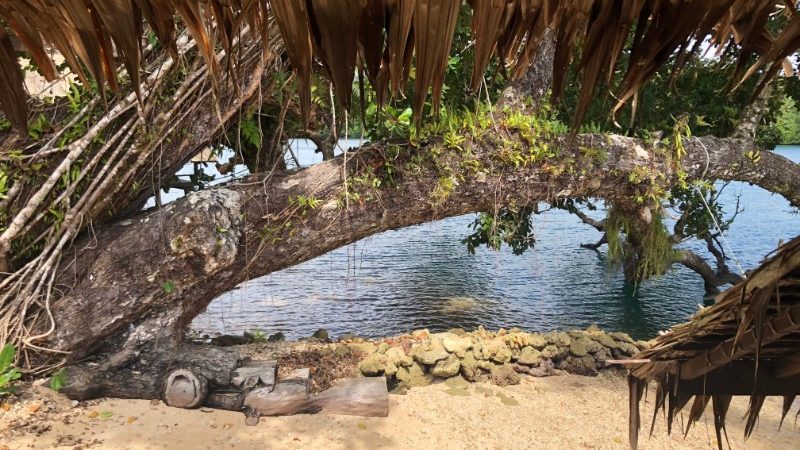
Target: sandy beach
x,y
559,412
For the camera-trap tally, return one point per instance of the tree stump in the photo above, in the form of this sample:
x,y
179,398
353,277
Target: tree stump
x,y
185,389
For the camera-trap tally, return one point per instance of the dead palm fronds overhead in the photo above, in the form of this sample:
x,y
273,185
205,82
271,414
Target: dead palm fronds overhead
x,y
383,35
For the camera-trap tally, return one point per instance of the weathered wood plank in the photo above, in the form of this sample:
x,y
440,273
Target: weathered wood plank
x,y
231,401
254,372
366,397
298,376
287,398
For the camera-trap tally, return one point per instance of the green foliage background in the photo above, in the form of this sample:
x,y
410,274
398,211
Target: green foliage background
x,y
788,123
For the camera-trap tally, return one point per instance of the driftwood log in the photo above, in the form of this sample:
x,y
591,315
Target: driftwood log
x,y
289,396
253,389
366,397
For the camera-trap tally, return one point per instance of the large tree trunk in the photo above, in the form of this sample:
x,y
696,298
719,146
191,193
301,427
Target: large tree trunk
x,y
137,284
133,286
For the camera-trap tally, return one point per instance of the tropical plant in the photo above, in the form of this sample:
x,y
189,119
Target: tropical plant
x,y
8,373
788,123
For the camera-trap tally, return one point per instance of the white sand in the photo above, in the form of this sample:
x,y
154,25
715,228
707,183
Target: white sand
x,y
561,412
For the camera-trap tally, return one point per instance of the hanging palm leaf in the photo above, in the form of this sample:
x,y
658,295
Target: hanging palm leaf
x,y
91,34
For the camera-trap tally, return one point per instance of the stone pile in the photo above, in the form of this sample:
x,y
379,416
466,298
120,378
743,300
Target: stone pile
x,y
417,358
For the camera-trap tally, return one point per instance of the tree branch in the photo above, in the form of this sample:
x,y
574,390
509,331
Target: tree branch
x,y
711,278
275,233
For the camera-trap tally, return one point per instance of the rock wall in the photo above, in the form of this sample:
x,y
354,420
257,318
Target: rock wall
x,y
416,359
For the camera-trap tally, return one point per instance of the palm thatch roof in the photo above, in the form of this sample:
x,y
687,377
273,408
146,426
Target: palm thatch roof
x,y
384,38
747,343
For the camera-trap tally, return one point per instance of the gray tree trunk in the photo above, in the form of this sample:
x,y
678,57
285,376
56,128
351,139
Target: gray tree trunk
x,y
133,286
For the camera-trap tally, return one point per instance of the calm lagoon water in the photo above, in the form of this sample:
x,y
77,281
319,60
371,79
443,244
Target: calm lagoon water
x,y
423,277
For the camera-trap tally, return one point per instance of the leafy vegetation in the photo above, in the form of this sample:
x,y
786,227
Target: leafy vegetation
x,y
123,151
701,92
258,336
653,254
511,226
168,287
788,123
8,373
58,379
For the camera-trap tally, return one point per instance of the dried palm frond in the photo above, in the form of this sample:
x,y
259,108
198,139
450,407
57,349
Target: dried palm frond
x,y
756,402
96,36
753,326
400,42
192,15
486,18
696,412
784,45
124,30
26,30
721,404
12,90
788,400
335,28
292,19
434,25
370,37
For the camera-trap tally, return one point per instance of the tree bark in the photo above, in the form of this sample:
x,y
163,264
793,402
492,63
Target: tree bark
x,y
132,287
135,285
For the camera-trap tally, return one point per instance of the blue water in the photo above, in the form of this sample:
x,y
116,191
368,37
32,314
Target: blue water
x,y
423,277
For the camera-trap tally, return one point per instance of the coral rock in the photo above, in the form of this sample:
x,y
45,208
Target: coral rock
x,y
504,375
455,344
469,367
375,365
399,357
446,368
413,376
530,356
497,351
552,351
430,352
363,347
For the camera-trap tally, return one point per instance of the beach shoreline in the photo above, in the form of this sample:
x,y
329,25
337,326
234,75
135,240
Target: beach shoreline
x,y
563,411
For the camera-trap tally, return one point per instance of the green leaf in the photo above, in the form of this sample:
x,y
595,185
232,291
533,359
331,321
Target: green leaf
x,y
168,287
701,121
38,127
251,132
6,357
3,184
58,380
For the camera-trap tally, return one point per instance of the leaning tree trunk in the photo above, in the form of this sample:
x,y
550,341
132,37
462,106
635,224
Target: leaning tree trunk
x,y
142,281
133,286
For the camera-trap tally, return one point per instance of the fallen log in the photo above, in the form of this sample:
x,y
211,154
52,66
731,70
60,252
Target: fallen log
x,y
288,397
365,397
